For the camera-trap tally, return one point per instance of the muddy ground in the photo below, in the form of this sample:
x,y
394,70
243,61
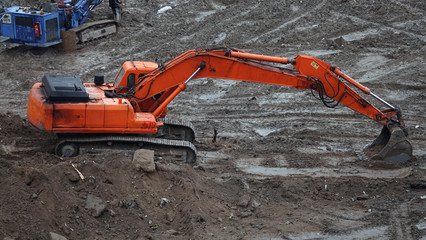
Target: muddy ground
x,y
283,167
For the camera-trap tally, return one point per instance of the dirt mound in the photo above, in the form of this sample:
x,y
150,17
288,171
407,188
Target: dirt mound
x,y
113,200
13,126
18,138
107,196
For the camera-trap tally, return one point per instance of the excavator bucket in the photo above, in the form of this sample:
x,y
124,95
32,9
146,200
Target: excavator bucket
x,y
391,146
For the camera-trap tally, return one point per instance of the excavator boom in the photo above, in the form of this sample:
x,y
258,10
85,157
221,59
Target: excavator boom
x,y
136,102
309,73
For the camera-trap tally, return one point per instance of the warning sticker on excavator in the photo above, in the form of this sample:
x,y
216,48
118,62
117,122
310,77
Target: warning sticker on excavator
x,y
315,65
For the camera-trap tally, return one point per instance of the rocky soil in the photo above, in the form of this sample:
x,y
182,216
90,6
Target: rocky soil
x,y
283,167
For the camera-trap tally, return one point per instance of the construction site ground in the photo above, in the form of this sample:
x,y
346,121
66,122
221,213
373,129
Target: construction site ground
x,y
283,166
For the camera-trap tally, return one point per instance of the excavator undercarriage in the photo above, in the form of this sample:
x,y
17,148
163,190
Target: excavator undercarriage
x,y
74,38
173,141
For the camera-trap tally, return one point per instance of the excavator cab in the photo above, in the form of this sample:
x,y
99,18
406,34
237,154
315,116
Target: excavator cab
x,y
130,73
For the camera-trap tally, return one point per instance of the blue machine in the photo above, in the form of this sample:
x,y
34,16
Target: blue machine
x,y
75,15
33,28
42,28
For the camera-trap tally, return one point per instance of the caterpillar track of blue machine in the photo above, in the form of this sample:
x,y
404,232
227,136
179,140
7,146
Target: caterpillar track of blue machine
x,y
54,23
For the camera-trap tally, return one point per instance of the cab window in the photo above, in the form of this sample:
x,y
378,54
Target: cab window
x,y
131,79
118,77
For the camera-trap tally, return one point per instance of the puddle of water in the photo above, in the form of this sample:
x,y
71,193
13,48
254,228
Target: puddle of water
x,y
203,15
294,8
220,38
318,53
248,166
311,150
187,37
371,62
225,83
207,156
280,97
421,225
354,36
368,233
212,96
264,131
374,74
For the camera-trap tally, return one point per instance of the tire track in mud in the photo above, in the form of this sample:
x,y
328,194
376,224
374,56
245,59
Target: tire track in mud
x,y
287,23
297,115
260,112
408,7
333,140
324,172
195,26
377,233
399,224
381,74
379,25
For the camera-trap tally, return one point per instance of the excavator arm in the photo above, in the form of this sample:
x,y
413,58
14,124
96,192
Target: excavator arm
x,y
331,85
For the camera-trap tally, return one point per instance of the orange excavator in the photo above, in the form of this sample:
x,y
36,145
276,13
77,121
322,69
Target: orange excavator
x,y
130,111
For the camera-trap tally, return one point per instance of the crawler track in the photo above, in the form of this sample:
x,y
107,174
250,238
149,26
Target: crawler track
x,y
173,142
75,38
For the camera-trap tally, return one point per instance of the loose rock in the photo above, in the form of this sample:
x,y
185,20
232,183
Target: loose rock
x,y
144,160
244,201
170,216
55,236
95,204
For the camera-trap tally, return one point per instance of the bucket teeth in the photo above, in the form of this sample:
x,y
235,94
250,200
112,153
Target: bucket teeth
x,y
391,146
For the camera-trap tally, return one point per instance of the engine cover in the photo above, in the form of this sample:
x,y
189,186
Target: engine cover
x,y
64,88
